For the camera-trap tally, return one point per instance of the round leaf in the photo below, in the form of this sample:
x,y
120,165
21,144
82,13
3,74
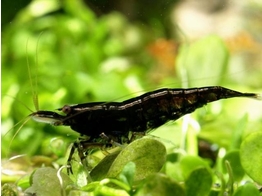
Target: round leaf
x,y
247,189
159,184
100,170
251,156
45,182
148,154
234,160
189,163
199,182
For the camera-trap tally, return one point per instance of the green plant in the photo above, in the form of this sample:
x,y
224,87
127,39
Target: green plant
x,y
82,58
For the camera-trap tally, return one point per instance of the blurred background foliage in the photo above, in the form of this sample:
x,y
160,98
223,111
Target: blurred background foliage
x,y
84,51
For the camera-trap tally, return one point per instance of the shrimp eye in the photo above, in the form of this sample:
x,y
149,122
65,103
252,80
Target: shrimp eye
x,y
66,109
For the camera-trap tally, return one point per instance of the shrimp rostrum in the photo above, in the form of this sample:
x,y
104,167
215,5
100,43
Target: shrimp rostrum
x,y
103,124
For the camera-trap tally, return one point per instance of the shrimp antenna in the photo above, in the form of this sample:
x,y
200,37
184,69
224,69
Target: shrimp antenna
x,y
34,85
18,130
22,103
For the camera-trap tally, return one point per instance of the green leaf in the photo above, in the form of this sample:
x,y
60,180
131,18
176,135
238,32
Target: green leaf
x,y
251,156
173,170
108,191
234,160
24,182
159,184
127,175
46,182
238,133
101,188
99,172
148,154
90,187
199,182
189,163
247,189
